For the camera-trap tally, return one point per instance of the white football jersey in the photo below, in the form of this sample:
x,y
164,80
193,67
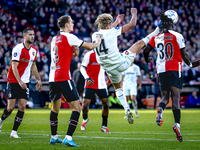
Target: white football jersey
x,y
107,52
130,76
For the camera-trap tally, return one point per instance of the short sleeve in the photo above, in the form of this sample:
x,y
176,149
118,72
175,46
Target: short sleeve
x,y
74,40
152,42
16,52
181,41
138,71
36,55
117,31
86,59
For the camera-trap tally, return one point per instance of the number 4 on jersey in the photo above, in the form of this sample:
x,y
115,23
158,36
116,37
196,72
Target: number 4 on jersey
x,y
102,48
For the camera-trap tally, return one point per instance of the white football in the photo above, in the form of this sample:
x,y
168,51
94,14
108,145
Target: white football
x,y
172,15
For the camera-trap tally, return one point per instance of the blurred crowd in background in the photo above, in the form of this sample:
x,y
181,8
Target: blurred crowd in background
x,y
42,15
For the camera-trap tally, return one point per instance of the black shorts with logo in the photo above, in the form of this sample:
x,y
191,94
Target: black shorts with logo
x,y
101,93
14,91
170,78
67,88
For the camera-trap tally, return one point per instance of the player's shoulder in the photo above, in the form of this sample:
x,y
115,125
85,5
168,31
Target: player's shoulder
x,y
19,46
175,33
135,66
34,47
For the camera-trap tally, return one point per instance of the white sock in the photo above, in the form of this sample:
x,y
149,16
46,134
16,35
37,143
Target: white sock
x,y
134,104
14,132
177,124
148,37
120,95
54,136
85,120
69,137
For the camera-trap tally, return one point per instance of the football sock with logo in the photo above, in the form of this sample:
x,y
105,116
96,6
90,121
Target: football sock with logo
x,y
148,37
162,105
18,120
177,115
5,114
53,122
104,120
73,122
122,98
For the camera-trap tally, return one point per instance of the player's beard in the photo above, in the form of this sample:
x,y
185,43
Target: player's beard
x,y
29,42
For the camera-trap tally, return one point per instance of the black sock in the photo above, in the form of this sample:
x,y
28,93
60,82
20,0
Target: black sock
x,y
85,116
53,122
104,120
177,115
73,122
5,114
162,105
18,119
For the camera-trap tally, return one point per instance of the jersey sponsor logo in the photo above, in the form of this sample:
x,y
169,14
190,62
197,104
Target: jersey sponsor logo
x,y
103,58
15,54
117,28
26,60
95,63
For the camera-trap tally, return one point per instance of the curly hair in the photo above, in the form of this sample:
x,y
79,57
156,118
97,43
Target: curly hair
x,y
166,22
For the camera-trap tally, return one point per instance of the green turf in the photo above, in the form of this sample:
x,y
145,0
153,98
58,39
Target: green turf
x,y
144,134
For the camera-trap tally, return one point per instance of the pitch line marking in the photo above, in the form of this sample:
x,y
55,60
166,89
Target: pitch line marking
x,y
111,132
117,138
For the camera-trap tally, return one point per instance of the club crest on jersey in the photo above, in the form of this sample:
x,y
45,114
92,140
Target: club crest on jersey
x,y
126,52
9,95
33,53
15,54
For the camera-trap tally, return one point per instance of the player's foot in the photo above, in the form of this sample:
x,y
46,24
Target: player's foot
x,y
129,116
69,143
53,141
14,135
83,125
176,129
105,129
136,114
125,117
1,124
159,119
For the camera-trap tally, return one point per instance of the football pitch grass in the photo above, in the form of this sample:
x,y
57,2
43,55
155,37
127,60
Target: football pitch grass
x,y
143,134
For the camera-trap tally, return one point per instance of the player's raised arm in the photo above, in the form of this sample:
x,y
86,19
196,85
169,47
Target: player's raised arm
x,y
92,45
132,22
118,20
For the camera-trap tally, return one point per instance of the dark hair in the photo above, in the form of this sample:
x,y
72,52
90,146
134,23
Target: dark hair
x,y
63,20
26,31
166,22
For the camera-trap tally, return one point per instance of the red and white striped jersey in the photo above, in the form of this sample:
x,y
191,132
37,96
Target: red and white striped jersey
x,y
168,45
61,56
25,57
94,71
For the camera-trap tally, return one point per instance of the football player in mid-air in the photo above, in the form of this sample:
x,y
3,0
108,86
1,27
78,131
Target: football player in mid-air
x,y
109,57
170,47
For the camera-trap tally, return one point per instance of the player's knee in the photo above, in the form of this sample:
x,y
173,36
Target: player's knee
x,y
10,108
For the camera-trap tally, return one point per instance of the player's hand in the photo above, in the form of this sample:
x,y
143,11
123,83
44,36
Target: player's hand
x,y
108,84
90,81
119,18
39,85
139,88
195,64
99,38
133,11
23,85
